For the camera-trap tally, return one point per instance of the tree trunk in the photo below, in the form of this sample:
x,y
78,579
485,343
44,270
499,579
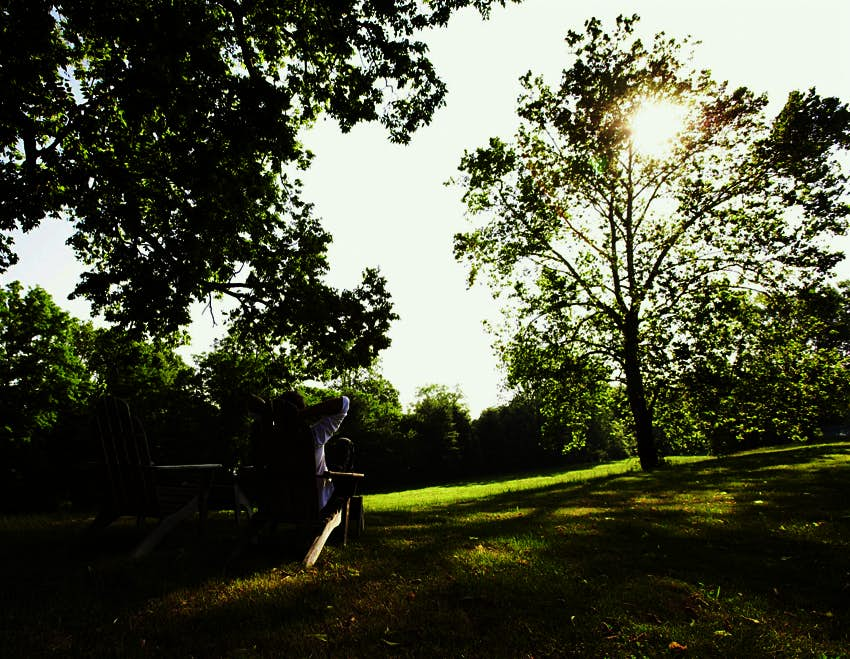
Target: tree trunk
x,y
644,435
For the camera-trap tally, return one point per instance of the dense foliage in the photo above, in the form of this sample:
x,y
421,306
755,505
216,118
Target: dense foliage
x,y
44,387
768,370
759,370
168,134
606,246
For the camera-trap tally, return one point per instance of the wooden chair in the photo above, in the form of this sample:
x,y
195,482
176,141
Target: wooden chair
x,y
286,488
135,486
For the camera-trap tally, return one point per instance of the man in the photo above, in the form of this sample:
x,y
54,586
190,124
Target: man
x,y
324,419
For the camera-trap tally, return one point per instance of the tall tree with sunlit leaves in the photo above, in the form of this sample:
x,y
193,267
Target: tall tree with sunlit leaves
x,y
601,229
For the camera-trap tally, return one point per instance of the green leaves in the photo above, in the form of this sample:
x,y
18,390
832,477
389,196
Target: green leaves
x,y
169,135
42,376
603,249
806,138
760,369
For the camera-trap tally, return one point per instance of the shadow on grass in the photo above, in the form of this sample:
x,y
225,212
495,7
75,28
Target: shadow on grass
x,y
746,555
64,593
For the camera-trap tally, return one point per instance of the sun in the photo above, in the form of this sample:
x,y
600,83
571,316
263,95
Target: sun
x,y
655,125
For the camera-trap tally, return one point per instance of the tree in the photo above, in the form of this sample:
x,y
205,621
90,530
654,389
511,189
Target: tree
x,y
230,373
508,438
579,408
44,390
41,372
162,389
606,242
440,428
168,134
760,369
373,424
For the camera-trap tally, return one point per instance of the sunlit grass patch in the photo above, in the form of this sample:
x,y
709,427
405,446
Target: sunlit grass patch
x,y
482,558
514,513
476,491
806,531
580,510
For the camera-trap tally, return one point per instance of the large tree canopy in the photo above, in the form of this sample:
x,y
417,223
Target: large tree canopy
x,y
168,134
42,374
604,244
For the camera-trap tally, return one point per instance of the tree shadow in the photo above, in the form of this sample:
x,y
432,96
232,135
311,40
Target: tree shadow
x,y
60,584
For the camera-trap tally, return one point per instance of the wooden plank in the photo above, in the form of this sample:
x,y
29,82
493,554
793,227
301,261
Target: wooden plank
x,y
164,527
342,474
319,543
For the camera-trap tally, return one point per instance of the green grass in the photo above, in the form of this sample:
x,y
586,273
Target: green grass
x,y
475,491
744,556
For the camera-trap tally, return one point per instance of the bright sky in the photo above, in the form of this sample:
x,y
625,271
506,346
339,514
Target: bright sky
x,y
386,205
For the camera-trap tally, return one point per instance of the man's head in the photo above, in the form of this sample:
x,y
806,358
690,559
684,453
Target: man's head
x,y
293,398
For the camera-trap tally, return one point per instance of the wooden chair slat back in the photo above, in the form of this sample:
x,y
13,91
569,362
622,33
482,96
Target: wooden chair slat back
x,y
126,456
291,465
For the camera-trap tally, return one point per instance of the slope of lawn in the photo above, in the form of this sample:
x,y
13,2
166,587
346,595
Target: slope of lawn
x,y
742,556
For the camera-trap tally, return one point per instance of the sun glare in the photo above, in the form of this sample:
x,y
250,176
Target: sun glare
x,y
654,127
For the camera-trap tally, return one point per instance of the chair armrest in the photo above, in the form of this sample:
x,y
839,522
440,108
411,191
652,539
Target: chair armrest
x,y
195,467
201,474
343,474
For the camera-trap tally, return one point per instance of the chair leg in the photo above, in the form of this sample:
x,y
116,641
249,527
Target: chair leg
x,y
346,516
104,518
352,519
240,500
355,512
319,543
165,526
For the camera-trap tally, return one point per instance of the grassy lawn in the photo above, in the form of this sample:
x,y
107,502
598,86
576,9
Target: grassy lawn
x,y
743,556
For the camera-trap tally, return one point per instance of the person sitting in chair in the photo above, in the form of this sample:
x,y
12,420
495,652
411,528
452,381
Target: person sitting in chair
x,y
289,456
324,419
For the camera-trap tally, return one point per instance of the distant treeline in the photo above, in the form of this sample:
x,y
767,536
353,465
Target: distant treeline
x,y
53,367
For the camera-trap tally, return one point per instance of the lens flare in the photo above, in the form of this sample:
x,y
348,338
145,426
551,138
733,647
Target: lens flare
x,y
654,127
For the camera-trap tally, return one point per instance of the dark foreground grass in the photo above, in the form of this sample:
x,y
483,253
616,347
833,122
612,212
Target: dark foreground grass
x,y
745,556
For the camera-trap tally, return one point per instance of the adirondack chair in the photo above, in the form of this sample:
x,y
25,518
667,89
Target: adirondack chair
x,y
286,488
135,486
